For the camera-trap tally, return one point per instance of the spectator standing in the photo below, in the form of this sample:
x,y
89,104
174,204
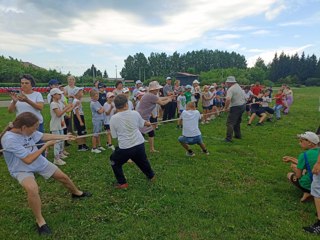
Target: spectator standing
x,y
168,108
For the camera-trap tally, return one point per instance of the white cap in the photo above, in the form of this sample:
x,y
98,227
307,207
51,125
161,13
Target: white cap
x,y
125,90
168,78
76,90
154,85
310,136
231,79
195,81
110,94
54,91
142,89
138,82
188,87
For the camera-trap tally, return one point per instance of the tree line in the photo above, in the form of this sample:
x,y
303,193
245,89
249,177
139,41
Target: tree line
x,y
211,66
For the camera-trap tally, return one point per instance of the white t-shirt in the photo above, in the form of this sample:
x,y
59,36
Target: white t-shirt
x,y
22,107
236,94
69,91
190,121
107,107
79,106
155,111
265,101
130,105
125,126
182,102
55,121
16,147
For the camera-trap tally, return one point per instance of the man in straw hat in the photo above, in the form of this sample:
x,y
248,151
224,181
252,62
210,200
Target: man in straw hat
x,y
235,104
147,104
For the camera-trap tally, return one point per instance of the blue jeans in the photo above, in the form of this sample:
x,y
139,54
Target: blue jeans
x,y
277,109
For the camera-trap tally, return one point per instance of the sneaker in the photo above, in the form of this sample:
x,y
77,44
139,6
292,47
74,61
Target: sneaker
x,y
82,196
44,229
82,149
59,162
259,124
111,147
190,154
101,148
206,152
65,153
63,156
315,228
95,150
207,122
85,147
121,186
202,122
269,120
227,140
249,124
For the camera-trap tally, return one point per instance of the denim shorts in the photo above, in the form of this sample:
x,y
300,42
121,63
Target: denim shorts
x,y
315,186
191,140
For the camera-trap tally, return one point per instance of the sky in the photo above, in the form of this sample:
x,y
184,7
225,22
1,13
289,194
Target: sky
x,y
71,35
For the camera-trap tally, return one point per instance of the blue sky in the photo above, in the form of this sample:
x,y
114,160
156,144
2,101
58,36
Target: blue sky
x,y
71,35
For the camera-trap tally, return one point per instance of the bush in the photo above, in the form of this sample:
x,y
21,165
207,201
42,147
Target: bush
x,y
312,82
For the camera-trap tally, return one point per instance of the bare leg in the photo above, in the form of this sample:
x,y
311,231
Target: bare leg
x,y
253,115
31,187
263,117
185,146
203,147
151,144
66,181
317,203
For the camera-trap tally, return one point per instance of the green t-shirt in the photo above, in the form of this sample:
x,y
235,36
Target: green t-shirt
x,y
312,155
188,96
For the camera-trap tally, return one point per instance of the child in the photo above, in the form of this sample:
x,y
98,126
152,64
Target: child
x,y
154,117
188,93
256,110
24,160
126,92
78,119
138,98
102,94
308,142
125,127
109,110
206,97
190,132
265,105
97,121
213,109
181,101
57,111
279,103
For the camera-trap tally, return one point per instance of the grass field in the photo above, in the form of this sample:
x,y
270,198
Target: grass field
x,y
239,191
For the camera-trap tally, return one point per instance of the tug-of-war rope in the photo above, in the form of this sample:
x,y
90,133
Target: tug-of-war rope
x,y
105,132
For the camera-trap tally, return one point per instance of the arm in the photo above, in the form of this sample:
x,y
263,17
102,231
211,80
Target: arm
x,y
59,113
12,105
36,105
316,167
79,117
227,103
164,100
33,156
297,171
290,159
101,110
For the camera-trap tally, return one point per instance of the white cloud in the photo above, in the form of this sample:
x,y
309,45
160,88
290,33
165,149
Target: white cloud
x,y
268,54
272,13
5,9
261,32
227,37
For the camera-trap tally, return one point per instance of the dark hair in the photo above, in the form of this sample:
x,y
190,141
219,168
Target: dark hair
x,y
118,83
30,78
27,119
120,101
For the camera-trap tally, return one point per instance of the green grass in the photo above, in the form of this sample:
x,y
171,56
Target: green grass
x,y
239,191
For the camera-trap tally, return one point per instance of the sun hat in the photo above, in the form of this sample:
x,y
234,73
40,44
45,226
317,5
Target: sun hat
x,y
76,90
154,85
188,87
211,87
53,82
310,136
110,94
54,91
195,81
168,78
138,82
231,79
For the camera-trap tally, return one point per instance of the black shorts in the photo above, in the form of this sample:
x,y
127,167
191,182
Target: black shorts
x,y
150,134
295,181
153,120
106,127
81,130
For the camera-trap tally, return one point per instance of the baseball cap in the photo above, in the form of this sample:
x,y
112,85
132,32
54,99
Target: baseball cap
x,y
110,94
188,87
168,78
125,90
53,82
101,85
76,90
310,136
138,82
54,91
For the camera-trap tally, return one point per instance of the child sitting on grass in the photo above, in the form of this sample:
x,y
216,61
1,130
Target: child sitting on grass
x,y
190,131
125,126
305,162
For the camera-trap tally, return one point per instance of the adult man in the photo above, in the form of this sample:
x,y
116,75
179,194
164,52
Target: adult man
x,y
147,104
236,100
136,89
168,108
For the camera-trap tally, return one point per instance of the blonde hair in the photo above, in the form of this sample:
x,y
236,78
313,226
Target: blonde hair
x,y
93,92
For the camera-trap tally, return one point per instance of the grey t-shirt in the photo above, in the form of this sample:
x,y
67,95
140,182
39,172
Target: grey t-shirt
x,y
146,106
95,106
237,96
166,89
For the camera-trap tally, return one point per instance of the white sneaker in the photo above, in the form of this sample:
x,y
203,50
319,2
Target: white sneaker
x,y
65,153
95,150
59,162
101,148
63,156
111,147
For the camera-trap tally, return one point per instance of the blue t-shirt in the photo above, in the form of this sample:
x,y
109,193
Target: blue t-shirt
x,y
17,146
95,106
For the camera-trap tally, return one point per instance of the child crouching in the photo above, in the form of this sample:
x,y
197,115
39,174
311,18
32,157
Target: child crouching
x,y
125,126
190,131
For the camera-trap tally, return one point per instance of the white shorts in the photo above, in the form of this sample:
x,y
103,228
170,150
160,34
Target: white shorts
x,y
47,172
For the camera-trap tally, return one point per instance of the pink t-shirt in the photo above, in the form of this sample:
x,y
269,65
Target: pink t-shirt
x,y
146,105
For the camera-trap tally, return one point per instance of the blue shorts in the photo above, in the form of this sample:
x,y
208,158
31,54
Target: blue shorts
x,y
191,140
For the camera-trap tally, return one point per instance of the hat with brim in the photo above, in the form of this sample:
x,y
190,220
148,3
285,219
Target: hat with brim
x,y
154,85
310,136
231,79
125,90
54,91
195,82
76,90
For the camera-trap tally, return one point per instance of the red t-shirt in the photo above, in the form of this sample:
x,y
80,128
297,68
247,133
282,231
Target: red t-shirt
x,y
256,90
278,98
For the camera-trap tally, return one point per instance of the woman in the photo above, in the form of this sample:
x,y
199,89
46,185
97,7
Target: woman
x,y
24,160
118,89
68,93
196,92
27,100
